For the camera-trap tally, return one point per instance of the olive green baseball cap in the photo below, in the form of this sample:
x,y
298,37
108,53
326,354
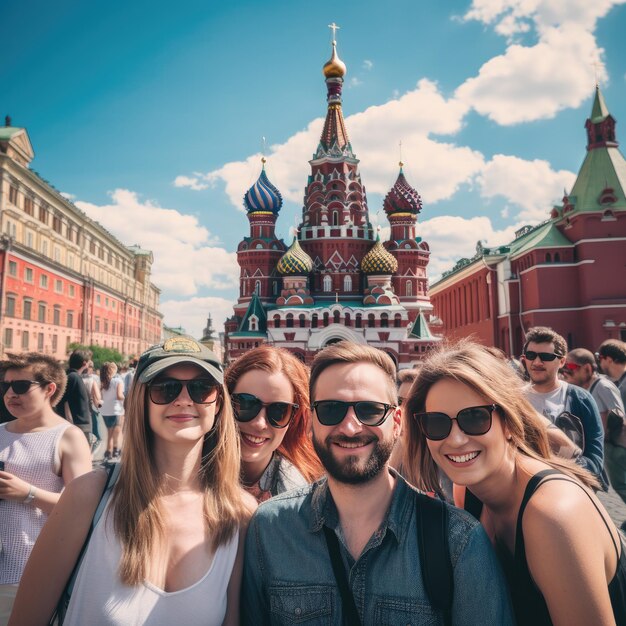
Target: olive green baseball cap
x,y
174,351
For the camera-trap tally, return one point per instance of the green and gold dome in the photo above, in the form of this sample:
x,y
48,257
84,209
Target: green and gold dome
x,y
295,261
378,260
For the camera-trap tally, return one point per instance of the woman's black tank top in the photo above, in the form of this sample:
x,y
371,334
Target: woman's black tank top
x,y
528,602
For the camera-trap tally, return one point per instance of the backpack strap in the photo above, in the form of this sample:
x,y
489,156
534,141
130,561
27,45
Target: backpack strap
x,y
434,551
593,385
350,612
113,471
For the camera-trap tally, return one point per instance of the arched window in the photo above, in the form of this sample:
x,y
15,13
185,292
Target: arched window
x,y
358,322
328,283
548,257
347,282
244,287
326,318
289,320
384,320
347,319
370,320
409,288
276,321
275,288
557,257
253,323
314,320
257,287
336,318
397,320
335,218
302,320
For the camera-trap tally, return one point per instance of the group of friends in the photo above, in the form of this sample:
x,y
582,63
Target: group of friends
x,y
272,493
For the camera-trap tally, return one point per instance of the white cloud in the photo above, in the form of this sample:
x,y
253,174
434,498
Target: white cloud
x,y
531,185
193,182
185,256
367,64
354,82
375,134
68,196
535,82
192,314
451,238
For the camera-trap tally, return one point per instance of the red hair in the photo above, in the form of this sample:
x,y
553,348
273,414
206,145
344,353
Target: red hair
x,y
296,447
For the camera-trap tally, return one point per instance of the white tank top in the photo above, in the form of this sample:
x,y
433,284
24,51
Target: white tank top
x,y
110,404
100,599
33,457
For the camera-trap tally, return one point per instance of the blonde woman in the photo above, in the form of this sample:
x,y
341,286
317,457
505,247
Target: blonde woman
x,y
562,555
168,547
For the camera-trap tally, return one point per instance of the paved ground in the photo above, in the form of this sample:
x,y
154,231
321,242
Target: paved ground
x,y
614,505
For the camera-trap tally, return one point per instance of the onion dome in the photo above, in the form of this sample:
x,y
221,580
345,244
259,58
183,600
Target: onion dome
x,y
379,261
402,198
335,68
263,196
295,261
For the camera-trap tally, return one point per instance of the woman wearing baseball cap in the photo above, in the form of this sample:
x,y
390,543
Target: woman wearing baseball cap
x,y
168,546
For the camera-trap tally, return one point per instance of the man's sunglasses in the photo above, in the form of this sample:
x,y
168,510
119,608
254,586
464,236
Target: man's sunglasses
x,y
369,413
200,390
473,420
531,355
246,407
19,386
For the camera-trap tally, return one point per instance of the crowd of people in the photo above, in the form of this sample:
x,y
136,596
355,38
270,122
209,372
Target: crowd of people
x,y
462,491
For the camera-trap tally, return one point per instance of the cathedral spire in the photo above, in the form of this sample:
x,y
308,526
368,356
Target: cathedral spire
x,y
334,136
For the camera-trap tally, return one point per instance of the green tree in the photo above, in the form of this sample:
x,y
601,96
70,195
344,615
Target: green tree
x,y
100,355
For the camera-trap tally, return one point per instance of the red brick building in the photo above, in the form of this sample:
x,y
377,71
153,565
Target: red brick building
x,y
568,273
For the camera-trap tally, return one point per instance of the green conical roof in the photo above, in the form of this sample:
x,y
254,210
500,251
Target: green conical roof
x,y
599,111
254,308
420,328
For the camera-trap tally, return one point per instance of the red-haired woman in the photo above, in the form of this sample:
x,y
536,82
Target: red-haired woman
x,y
270,394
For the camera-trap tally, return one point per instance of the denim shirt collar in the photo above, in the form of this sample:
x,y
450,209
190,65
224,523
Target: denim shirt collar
x,y
324,511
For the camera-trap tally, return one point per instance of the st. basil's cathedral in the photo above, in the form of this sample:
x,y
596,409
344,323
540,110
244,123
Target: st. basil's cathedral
x,y
336,280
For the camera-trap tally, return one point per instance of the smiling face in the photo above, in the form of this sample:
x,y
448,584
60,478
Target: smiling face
x,y
467,460
259,439
350,451
182,421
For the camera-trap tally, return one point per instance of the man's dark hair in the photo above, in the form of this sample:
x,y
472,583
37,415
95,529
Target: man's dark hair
x,y
543,334
407,376
78,358
613,348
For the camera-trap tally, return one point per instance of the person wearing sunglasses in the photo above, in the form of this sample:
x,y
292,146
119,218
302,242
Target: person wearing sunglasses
x,y
561,553
269,389
543,357
168,547
359,520
40,453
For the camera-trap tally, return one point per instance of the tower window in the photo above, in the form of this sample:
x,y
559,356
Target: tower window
x,y
409,288
347,283
257,287
328,283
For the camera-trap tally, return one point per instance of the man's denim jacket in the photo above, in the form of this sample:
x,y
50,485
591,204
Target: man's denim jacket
x,y
288,577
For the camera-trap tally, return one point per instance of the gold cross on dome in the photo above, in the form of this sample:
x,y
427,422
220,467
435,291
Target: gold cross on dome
x,y
334,28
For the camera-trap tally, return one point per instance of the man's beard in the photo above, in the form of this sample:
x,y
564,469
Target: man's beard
x,y
353,470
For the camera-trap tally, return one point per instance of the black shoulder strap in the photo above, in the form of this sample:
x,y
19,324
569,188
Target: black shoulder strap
x,y
434,550
350,613
593,385
472,504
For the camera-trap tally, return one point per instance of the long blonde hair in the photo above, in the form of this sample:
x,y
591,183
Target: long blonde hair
x,y
138,518
485,371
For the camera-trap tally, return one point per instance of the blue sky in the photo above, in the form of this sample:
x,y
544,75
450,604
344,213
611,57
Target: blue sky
x,y
150,115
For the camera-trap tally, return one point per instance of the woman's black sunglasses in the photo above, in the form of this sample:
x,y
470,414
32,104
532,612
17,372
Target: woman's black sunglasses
x,y
200,390
368,412
19,386
473,420
247,407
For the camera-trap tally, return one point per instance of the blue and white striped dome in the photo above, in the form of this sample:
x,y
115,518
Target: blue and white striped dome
x,y
263,196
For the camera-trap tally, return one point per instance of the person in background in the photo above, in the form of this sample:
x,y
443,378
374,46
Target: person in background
x,y
130,374
74,405
405,379
92,384
269,388
561,553
112,390
168,546
40,453
612,362
543,357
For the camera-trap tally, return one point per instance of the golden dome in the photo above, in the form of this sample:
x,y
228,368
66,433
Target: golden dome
x,y
335,67
295,261
379,261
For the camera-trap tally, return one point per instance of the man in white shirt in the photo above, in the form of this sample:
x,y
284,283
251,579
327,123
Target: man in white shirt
x,y
612,361
543,357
